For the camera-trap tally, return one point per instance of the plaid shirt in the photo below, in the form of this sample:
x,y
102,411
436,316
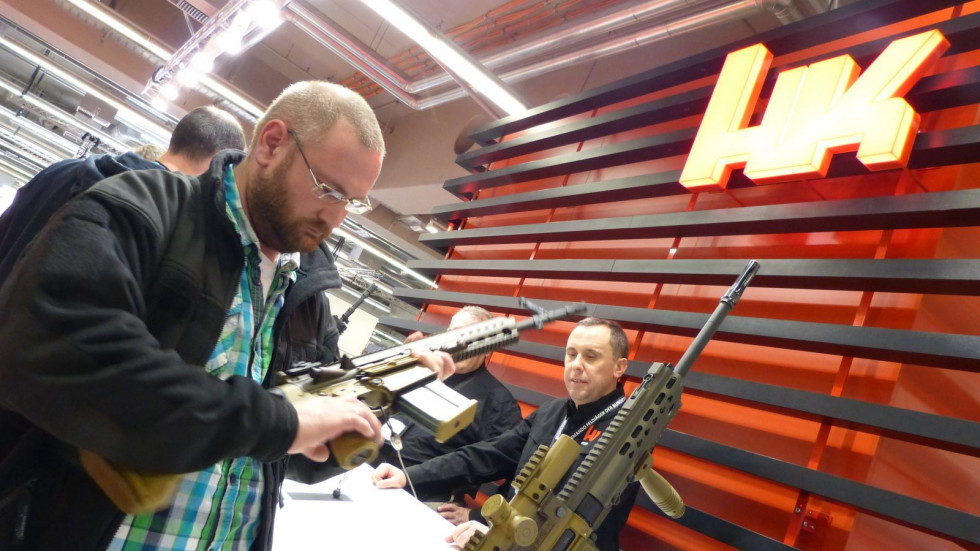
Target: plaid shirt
x,y
218,508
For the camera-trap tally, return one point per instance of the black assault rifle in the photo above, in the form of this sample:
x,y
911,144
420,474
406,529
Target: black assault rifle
x,y
544,517
342,320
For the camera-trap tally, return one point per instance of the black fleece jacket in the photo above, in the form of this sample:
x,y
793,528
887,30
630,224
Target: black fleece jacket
x,y
107,321
47,192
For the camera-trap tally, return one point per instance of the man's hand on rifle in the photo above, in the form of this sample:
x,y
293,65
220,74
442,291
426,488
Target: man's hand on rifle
x,y
443,374
462,533
437,361
324,418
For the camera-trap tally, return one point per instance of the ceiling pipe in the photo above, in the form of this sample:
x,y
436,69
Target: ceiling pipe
x,y
562,39
642,38
45,110
483,86
366,60
351,50
361,58
54,145
389,78
785,10
39,156
105,20
124,113
615,46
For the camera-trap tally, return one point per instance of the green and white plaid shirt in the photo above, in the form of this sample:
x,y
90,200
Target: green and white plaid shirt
x,y
218,508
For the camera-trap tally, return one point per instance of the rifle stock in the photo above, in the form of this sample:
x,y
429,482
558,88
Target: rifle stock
x,y
542,516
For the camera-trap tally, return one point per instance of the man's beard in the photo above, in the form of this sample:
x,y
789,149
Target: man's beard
x,y
271,214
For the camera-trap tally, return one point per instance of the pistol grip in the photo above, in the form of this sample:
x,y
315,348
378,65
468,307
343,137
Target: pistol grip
x,y
351,449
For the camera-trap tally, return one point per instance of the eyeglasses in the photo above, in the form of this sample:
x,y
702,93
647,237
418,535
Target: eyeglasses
x,y
323,191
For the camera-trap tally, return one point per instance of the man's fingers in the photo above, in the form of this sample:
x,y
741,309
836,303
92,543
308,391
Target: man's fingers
x,y
463,532
382,473
318,453
366,423
436,360
384,483
322,419
388,476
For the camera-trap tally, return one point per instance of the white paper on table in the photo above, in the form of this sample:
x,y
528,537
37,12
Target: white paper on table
x,y
362,518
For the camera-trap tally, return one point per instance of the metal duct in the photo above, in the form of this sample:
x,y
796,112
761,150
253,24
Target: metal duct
x,y
366,61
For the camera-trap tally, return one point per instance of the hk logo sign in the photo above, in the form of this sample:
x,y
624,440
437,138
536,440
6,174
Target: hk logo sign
x,y
814,111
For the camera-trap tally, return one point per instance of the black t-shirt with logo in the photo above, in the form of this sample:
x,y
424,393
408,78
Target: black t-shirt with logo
x,y
505,455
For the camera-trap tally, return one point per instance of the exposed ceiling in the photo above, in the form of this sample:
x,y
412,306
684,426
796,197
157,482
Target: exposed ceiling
x,y
67,78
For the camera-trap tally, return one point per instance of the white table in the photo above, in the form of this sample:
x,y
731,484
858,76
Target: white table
x,y
362,518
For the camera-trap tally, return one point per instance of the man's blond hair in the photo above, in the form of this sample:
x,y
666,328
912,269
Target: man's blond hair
x,y
476,312
311,109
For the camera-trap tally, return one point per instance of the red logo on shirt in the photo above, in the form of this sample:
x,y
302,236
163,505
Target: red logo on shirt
x,y
591,434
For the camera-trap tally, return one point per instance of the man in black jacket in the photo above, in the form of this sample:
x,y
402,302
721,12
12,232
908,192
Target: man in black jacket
x,y
198,137
496,412
139,332
595,358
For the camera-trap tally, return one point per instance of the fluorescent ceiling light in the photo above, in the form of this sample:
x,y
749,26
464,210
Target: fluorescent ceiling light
x,y
15,170
39,132
47,156
449,55
120,27
156,130
55,113
124,29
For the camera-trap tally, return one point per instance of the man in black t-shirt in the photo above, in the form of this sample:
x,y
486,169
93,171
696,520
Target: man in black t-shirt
x,y
595,358
497,411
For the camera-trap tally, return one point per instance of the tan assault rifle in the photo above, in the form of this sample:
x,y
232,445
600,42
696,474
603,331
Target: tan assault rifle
x,y
542,517
392,380
388,381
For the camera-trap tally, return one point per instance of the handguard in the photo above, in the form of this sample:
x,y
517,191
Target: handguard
x,y
542,516
392,380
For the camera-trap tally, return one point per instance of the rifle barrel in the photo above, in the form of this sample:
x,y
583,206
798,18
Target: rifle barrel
x,y
725,306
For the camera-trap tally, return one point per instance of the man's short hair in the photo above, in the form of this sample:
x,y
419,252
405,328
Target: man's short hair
x,y
617,337
205,131
476,312
311,109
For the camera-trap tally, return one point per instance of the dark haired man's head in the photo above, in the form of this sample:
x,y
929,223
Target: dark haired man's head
x,y
595,358
205,131
618,342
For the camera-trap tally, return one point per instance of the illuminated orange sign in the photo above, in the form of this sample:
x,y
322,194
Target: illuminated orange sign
x,y
814,111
